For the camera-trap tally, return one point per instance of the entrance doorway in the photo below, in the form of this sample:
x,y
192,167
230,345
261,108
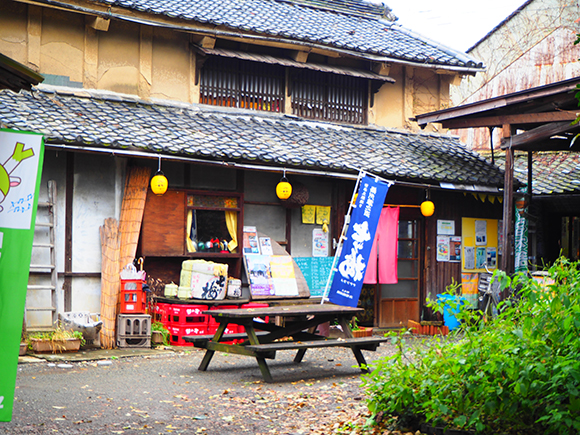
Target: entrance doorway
x,y
399,302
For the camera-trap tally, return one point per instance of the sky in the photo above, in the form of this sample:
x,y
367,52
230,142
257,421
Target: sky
x,y
458,24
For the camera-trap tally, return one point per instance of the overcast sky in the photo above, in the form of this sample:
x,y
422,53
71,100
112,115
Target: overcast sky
x,y
456,23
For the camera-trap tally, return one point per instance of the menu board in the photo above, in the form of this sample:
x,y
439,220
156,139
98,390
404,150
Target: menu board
x,y
316,271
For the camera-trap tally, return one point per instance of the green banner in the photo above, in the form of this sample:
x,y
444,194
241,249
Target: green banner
x,y
21,157
521,237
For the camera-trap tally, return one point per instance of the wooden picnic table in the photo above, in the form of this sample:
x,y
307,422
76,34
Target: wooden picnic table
x,y
261,340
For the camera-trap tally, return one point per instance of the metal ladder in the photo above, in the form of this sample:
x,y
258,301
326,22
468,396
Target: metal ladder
x,y
43,276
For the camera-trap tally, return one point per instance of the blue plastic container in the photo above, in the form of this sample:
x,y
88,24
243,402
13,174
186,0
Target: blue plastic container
x,y
449,312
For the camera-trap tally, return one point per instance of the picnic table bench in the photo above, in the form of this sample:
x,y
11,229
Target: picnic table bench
x,y
262,340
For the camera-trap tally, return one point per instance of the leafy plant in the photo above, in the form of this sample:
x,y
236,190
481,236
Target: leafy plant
x,y
516,373
57,336
158,326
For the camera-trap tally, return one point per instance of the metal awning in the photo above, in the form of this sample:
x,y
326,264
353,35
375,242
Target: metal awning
x,y
265,58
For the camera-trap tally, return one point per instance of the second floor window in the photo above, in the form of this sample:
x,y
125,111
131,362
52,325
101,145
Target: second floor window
x,y
329,97
243,84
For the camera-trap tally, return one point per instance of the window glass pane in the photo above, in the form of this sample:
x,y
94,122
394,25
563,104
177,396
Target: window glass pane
x,y
407,269
212,201
406,229
407,249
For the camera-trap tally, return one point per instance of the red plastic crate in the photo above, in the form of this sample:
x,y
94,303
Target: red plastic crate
x,y
230,329
131,285
185,315
161,313
176,333
133,302
212,321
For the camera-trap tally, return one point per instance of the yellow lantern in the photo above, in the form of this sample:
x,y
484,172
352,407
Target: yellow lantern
x,y
283,188
159,181
427,208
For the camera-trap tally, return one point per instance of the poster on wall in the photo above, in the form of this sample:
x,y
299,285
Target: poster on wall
x,y
480,233
480,241
319,243
480,257
455,249
442,248
265,246
445,227
250,242
491,257
469,257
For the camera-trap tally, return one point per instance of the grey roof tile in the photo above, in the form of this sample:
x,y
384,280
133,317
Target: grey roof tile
x,y
216,134
552,171
346,28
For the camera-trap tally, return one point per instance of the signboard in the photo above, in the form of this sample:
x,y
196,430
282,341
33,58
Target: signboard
x,y
21,157
316,271
479,239
355,250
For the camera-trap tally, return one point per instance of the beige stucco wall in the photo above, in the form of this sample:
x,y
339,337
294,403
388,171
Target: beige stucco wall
x,y
414,92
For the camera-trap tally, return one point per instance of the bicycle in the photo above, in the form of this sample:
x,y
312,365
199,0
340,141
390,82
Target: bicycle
x,y
489,294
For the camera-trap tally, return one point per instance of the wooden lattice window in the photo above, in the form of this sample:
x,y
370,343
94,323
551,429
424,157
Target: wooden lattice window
x,y
329,97
243,84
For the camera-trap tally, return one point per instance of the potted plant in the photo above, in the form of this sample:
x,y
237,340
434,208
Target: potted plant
x,y
159,334
359,331
57,341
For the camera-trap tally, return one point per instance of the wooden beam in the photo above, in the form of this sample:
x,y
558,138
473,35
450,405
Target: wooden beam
x,y
299,56
207,42
382,68
99,23
520,141
525,118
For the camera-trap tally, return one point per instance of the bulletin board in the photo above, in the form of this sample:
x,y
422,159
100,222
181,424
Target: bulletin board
x,y
479,244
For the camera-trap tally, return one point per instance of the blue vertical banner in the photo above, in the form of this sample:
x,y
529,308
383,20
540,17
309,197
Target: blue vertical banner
x,y
356,248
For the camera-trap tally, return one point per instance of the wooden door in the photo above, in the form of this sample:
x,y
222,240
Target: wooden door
x,y
400,302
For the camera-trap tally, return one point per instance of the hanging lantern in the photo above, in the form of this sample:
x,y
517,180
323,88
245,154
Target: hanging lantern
x,y
159,181
283,188
427,208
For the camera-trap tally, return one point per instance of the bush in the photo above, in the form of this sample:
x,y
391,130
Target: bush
x,y
517,373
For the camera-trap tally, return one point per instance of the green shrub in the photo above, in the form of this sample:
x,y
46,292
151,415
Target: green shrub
x,y
518,373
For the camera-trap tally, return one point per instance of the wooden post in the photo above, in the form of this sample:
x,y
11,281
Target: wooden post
x,y
508,199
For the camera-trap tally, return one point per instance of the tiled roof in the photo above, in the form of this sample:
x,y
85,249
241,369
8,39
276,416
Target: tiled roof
x,y
109,120
553,172
361,30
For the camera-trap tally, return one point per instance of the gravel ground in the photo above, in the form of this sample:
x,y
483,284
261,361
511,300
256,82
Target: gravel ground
x,y
167,394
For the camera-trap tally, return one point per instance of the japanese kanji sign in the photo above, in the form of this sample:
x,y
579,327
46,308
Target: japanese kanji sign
x,y
21,157
352,262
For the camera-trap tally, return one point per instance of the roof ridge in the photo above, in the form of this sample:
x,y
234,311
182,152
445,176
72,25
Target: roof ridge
x,y
363,8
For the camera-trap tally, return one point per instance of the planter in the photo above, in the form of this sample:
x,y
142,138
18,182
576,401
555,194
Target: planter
x,y
156,337
362,332
23,349
55,346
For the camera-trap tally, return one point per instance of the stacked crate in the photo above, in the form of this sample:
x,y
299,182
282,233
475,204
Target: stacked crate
x,y
185,319
133,298
134,330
